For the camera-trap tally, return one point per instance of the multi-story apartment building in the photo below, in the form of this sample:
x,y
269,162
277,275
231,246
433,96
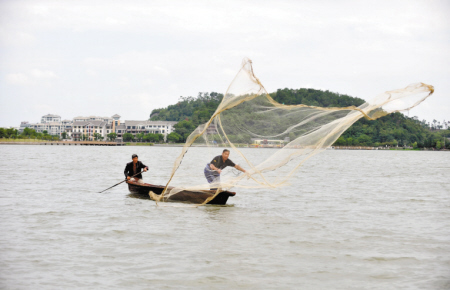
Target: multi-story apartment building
x,y
52,128
119,130
23,125
156,127
49,118
50,123
88,126
88,129
93,118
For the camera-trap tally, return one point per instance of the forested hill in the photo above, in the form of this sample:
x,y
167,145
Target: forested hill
x,y
394,129
312,97
197,110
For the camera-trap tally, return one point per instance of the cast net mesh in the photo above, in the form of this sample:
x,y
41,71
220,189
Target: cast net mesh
x,y
249,117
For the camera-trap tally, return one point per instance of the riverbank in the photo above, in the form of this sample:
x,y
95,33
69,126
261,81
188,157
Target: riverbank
x,y
138,144
104,143
62,143
385,148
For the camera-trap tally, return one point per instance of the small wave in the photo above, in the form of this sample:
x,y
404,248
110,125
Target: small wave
x,y
390,259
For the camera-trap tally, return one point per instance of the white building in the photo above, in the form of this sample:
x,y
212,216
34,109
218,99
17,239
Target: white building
x,y
88,126
50,123
88,129
93,118
155,127
23,125
49,118
52,128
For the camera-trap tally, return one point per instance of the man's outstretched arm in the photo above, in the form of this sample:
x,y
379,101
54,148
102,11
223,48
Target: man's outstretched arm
x,y
239,168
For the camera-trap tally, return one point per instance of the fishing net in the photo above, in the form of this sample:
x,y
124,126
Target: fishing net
x,y
285,136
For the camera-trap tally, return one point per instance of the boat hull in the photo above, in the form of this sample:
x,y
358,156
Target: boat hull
x,y
197,197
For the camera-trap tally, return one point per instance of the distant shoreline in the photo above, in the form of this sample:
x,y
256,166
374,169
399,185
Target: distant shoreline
x,y
62,143
178,145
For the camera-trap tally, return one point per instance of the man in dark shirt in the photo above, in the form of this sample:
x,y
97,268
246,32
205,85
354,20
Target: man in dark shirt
x,y
214,168
133,168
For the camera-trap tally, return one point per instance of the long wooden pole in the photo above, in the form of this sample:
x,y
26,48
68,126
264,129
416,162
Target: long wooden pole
x,y
121,182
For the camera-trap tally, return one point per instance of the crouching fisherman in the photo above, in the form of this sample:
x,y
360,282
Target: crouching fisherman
x,y
214,168
133,168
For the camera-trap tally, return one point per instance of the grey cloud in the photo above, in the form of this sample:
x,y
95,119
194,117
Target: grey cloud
x,y
107,57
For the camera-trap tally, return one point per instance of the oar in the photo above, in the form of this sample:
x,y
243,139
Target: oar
x,y
121,182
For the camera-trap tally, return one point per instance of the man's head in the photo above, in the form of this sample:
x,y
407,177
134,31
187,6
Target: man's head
x,y
225,154
134,157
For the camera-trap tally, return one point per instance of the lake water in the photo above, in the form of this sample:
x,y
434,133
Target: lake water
x,y
350,220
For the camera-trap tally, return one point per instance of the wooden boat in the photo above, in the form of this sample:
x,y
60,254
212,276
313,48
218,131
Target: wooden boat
x,y
197,197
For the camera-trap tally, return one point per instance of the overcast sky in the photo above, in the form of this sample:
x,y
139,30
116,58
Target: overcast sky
x,y
81,58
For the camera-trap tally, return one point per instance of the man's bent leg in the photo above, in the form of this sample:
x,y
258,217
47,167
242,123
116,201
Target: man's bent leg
x,y
137,180
212,176
215,183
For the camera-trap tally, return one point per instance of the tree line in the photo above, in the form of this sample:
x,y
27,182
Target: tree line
x,y
142,137
27,133
189,112
392,130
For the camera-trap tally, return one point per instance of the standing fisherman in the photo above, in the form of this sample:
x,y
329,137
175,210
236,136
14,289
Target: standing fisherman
x,y
133,168
214,168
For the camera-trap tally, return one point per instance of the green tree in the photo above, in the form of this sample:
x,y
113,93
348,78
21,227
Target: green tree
x,y
97,136
350,141
364,140
173,137
160,137
340,141
191,112
438,145
140,136
11,133
128,137
184,129
64,135
112,136
151,137
28,132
